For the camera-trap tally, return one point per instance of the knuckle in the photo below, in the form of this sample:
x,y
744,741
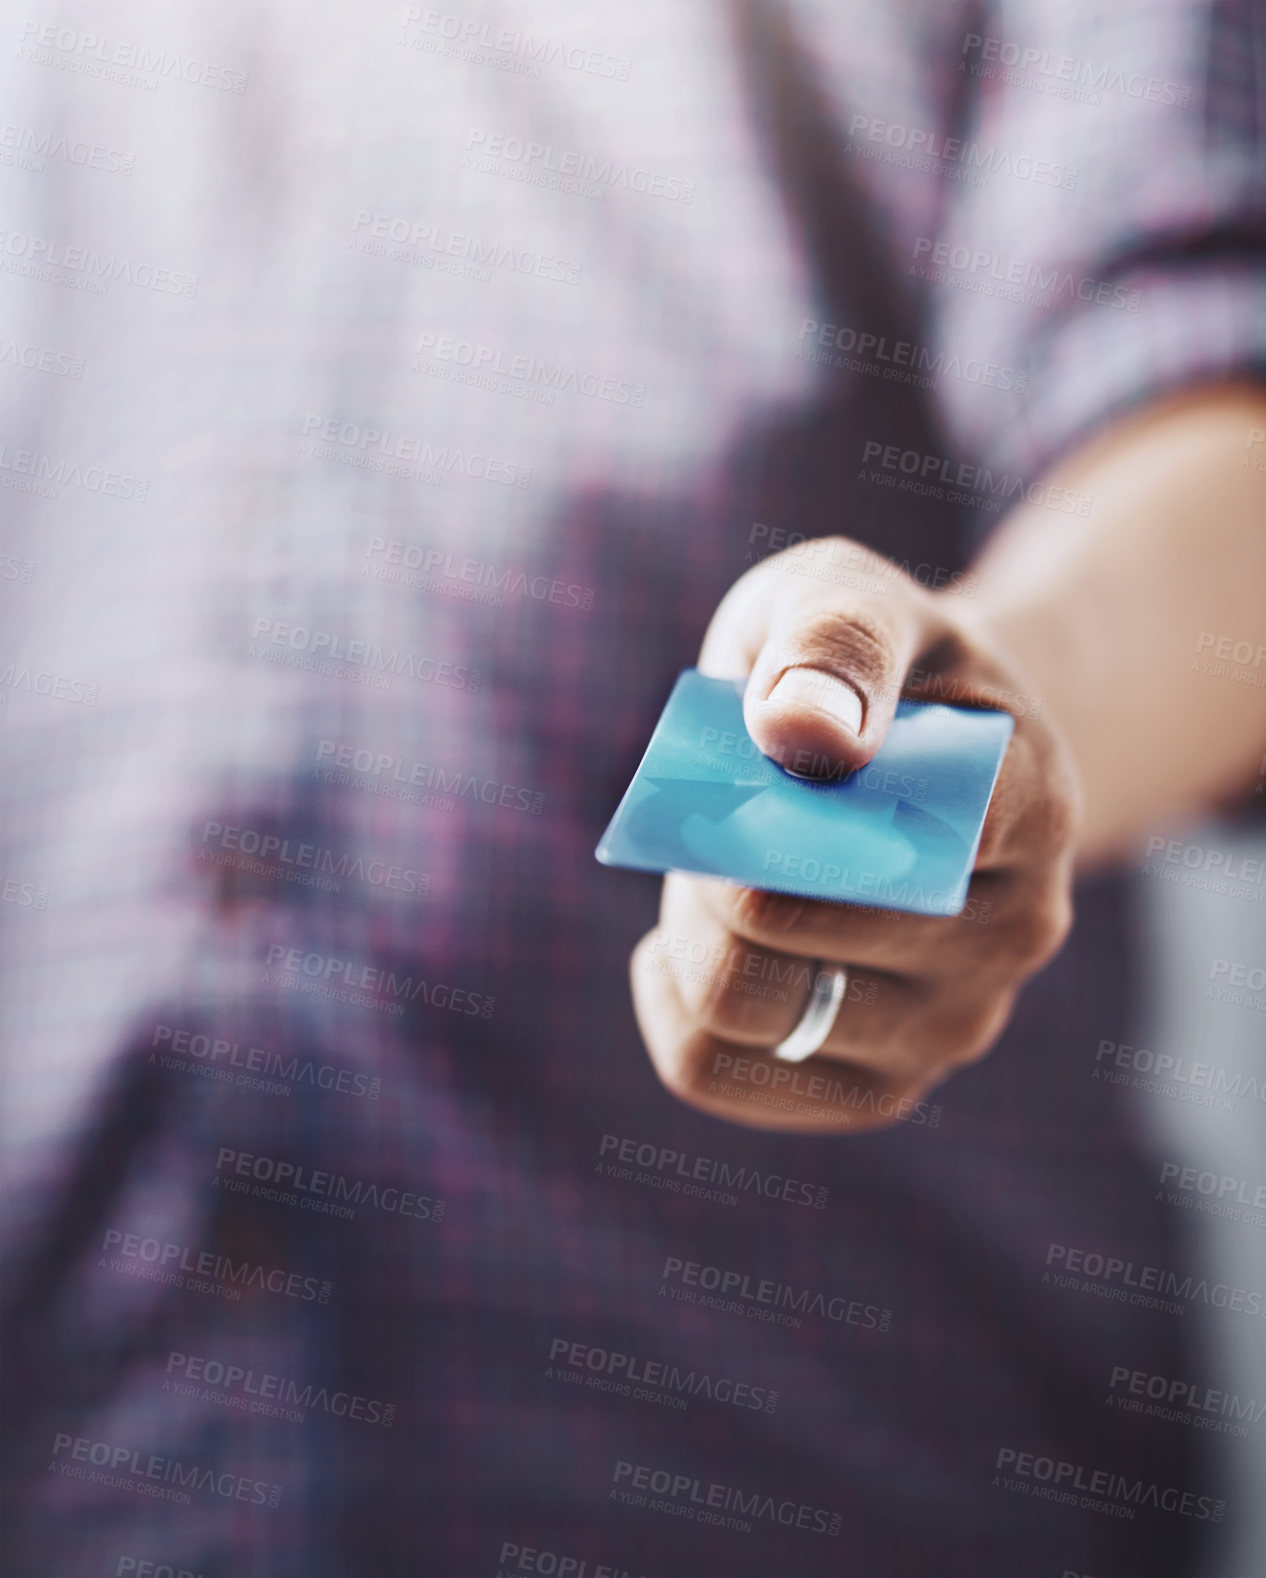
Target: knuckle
x,y
682,1070
1036,802
1037,931
1026,935
995,836
849,641
675,1078
668,1059
971,1033
1056,817
757,914
1061,922
714,1005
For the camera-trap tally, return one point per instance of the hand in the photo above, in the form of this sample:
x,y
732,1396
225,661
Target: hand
x,y
726,974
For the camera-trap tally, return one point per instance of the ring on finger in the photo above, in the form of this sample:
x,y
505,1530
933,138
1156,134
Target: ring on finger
x,y
830,982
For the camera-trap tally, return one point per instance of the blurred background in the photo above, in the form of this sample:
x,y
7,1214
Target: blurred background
x,y
389,395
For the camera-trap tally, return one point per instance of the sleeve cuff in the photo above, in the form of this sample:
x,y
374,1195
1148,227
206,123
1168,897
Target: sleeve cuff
x,y
1179,328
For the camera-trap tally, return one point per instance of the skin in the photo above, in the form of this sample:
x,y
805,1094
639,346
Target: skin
x,y
1092,633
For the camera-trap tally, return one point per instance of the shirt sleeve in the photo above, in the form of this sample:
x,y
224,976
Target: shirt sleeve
x,y
1104,227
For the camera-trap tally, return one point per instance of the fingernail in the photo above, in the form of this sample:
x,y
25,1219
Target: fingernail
x,y
810,687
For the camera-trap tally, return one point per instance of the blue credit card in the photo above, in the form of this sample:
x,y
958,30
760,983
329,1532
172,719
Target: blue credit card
x,y
900,833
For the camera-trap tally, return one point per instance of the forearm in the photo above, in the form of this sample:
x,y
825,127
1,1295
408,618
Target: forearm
x,y
1116,619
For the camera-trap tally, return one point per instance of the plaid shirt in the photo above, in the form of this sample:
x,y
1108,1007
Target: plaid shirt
x,y
393,395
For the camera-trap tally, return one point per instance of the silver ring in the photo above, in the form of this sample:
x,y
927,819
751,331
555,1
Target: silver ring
x,y
829,985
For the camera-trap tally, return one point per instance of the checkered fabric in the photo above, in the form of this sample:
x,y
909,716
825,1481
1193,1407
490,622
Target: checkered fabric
x,y
407,387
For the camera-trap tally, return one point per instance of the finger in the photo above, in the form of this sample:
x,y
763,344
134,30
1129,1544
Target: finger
x,y
824,688
1034,806
891,1033
1013,924
752,996
826,664
747,994
913,1036
860,935
1036,801
750,1086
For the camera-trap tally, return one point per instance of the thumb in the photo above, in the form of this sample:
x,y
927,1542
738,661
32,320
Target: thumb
x,y
825,683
